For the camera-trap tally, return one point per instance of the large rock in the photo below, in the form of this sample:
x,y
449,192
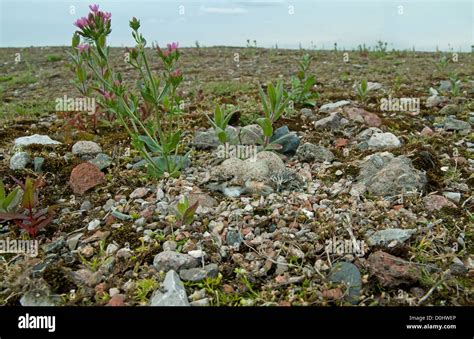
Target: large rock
x,y
386,175
312,153
35,139
288,141
174,292
86,147
392,271
250,169
251,134
84,177
170,260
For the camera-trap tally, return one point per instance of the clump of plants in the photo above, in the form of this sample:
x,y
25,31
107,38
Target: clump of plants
x,y
302,84
220,122
29,216
146,111
185,212
274,105
10,201
362,90
442,64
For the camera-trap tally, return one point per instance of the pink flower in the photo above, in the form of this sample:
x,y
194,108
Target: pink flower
x,y
177,73
81,23
107,95
172,47
94,8
107,16
83,47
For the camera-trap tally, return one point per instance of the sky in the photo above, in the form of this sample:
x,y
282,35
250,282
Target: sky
x,y
404,24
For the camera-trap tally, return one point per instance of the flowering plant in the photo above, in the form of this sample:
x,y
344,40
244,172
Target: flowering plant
x,y
157,134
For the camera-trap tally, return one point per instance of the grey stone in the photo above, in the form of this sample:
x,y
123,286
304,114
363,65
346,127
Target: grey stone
x,y
373,86
121,216
35,139
93,225
54,246
205,139
86,205
250,134
234,238
308,114
201,302
331,107
435,100
452,124
193,274
333,121
174,292
85,147
212,270
445,86
288,141
38,299
309,152
38,164
170,260
385,175
390,235
348,274
383,141
450,109
102,161
73,240
19,161
453,196
251,169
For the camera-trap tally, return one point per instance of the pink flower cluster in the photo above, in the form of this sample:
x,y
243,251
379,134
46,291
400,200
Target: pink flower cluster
x,y
172,47
94,16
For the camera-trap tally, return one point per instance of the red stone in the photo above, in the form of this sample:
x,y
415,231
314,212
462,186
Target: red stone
x,y
84,177
392,271
437,202
341,142
363,116
117,300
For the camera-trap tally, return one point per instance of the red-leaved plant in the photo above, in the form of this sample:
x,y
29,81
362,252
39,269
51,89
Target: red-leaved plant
x,y
30,217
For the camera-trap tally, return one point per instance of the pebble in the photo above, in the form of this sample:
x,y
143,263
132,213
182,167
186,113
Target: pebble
x,y
85,147
35,139
93,225
170,260
174,292
19,161
84,177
